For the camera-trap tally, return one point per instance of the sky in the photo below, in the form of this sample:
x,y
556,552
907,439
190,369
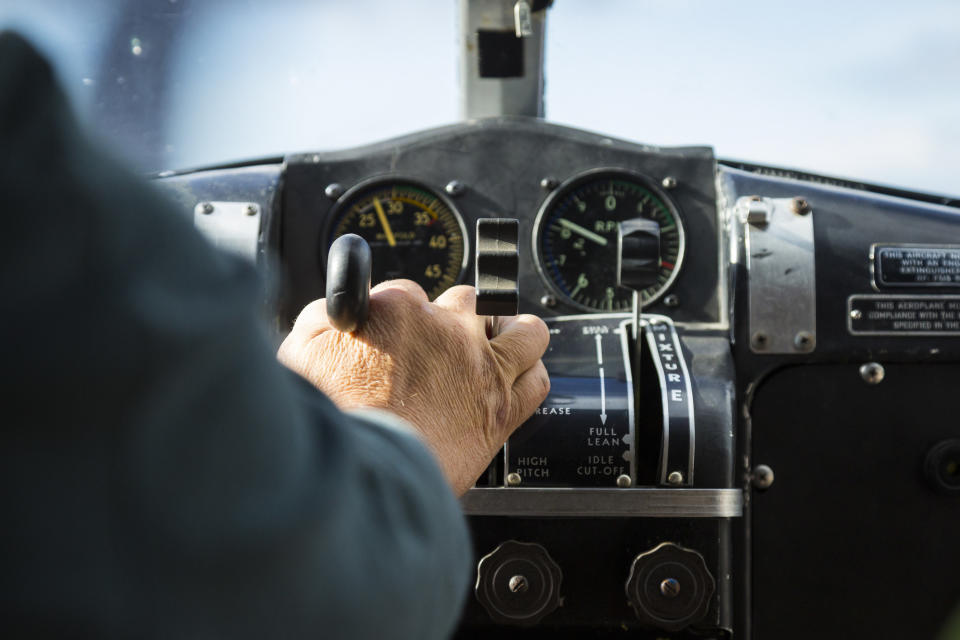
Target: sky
x,y
865,90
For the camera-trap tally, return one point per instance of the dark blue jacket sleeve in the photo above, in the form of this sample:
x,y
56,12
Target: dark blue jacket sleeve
x,y
162,475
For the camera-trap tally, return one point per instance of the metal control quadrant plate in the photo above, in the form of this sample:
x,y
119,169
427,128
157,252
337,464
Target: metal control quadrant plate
x,y
582,434
781,275
233,226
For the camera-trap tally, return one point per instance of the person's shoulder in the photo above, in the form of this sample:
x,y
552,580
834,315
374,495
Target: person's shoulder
x,y
21,69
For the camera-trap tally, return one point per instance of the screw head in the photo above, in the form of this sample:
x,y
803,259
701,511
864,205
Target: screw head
x,y
804,341
675,478
514,479
759,341
548,301
872,372
251,210
669,182
672,300
518,584
800,206
670,588
333,190
549,183
762,476
856,314
206,208
454,188
624,481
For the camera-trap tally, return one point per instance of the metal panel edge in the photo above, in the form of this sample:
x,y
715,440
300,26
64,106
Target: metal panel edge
x,y
639,502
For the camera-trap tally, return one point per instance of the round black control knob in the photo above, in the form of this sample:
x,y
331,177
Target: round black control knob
x,y
638,253
348,282
942,466
670,587
518,583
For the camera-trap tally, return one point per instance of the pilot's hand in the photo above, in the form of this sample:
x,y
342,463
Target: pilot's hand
x,y
433,365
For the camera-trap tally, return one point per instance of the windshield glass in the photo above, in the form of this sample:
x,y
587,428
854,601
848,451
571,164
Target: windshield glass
x,y
860,90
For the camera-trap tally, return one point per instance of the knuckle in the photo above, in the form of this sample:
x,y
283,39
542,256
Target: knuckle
x,y
399,298
313,312
537,328
462,293
544,382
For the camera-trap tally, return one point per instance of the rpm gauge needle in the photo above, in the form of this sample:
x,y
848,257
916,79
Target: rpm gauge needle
x,y
586,233
383,222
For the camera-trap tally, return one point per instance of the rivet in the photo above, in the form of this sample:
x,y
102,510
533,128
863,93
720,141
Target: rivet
x,y
333,190
675,478
454,188
548,301
624,481
669,182
762,476
549,183
872,372
759,341
803,341
672,300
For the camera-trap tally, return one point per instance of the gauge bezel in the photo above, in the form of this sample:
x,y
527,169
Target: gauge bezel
x,y
589,176
342,203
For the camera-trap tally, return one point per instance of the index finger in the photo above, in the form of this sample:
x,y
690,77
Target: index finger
x,y
521,342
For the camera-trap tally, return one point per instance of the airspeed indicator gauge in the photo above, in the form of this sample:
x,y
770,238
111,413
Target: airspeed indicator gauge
x,y
575,237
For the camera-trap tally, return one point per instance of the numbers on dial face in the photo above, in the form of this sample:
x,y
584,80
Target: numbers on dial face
x,y
577,239
412,233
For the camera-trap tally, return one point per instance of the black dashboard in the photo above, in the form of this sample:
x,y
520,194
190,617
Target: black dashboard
x,y
784,460
508,168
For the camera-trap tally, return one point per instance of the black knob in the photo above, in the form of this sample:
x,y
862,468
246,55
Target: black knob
x,y
497,266
348,282
638,253
518,583
942,466
670,587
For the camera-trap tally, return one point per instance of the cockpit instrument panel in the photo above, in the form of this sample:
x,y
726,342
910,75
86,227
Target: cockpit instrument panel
x,y
648,471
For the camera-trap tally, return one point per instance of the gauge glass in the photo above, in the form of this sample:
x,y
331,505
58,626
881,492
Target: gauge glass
x,y
413,233
576,238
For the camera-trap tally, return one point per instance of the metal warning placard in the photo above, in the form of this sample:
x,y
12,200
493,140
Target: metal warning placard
x,y
893,315
916,265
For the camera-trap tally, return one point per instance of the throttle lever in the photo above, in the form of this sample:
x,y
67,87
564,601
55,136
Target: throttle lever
x,y
497,267
348,283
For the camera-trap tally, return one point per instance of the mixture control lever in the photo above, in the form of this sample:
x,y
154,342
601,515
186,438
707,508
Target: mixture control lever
x,y
638,259
497,267
638,265
348,282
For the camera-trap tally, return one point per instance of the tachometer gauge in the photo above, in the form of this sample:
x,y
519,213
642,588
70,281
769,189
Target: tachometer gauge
x,y
575,237
413,232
